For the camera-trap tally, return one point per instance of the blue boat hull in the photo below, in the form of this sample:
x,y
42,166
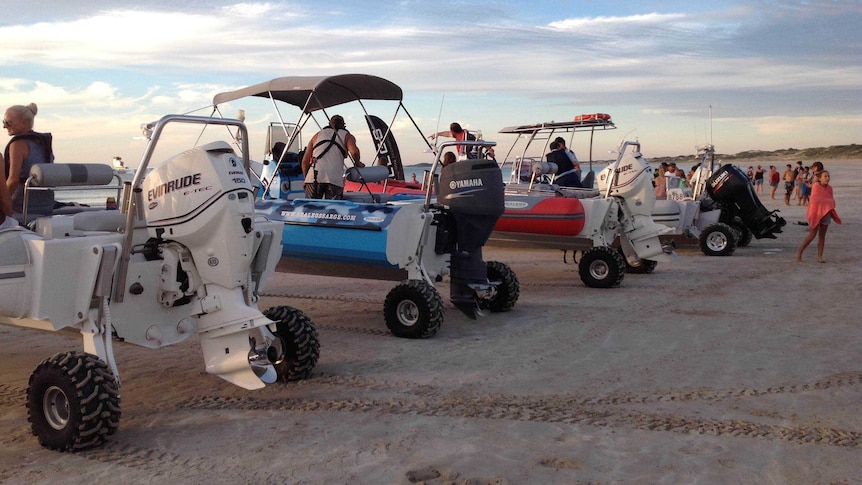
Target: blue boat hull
x,y
338,231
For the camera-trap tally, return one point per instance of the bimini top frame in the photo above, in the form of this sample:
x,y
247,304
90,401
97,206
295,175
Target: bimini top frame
x,y
546,131
318,93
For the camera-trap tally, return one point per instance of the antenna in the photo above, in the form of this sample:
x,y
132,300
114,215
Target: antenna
x,y
439,115
710,124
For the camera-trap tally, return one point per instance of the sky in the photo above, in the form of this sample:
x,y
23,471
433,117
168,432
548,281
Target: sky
x,y
776,74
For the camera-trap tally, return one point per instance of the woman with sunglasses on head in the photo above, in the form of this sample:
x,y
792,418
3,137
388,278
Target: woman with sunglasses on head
x,y
25,149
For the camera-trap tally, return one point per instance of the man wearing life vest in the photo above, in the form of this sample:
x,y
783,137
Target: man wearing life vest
x,y
323,161
459,134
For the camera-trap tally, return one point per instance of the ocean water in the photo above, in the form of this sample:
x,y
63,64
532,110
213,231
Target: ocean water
x,y
93,198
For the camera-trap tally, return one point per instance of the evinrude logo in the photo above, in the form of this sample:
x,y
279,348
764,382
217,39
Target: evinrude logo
x,y
172,185
465,184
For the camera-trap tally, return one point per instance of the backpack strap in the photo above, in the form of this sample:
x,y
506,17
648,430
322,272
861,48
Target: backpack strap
x,y
332,141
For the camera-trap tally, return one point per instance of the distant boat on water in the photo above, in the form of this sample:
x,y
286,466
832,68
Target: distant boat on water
x,y
119,165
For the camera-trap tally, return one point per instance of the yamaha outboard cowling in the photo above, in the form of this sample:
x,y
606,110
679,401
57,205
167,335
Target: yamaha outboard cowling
x,y
731,188
473,192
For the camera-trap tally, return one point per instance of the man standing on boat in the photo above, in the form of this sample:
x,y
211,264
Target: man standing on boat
x,y
459,134
323,161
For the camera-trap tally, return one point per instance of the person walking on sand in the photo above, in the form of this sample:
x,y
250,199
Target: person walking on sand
x,y
821,211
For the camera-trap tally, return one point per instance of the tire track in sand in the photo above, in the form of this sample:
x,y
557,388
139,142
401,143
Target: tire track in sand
x,y
604,411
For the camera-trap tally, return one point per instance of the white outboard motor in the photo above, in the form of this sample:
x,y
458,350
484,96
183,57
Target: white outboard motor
x,y
199,209
630,180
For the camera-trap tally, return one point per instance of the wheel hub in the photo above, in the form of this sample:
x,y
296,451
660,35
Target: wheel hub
x,y
408,313
599,270
716,241
55,406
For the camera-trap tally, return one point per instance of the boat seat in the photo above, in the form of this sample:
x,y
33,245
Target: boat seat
x,y
377,173
589,180
540,167
365,197
365,176
577,192
75,176
70,174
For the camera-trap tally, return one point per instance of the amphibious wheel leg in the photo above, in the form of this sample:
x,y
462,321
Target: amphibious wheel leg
x,y
413,309
718,240
508,287
602,267
73,402
300,341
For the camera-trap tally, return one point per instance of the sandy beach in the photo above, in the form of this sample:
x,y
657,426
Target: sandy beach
x,y
740,369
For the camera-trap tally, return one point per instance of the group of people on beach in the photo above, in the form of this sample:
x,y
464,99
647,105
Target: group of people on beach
x,y
798,182
669,169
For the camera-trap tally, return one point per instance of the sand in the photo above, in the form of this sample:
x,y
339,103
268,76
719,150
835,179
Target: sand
x,y
740,369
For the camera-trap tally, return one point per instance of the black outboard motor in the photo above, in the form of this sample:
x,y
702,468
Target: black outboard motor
x,y
473,192
731,188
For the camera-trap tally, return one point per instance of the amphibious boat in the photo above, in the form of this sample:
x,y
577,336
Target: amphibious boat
x,y
418,239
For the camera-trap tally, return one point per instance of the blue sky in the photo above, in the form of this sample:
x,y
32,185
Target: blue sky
x,y
778,74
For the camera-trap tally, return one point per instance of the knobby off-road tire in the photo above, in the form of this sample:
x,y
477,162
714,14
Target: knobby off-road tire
x,y
718,240
413,309
301,344
73,402
508,290
602,267
745,234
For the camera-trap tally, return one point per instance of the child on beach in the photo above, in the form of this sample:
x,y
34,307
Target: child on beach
x,y
821,211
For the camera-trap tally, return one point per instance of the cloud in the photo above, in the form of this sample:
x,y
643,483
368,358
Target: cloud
x,y
758,59
602,25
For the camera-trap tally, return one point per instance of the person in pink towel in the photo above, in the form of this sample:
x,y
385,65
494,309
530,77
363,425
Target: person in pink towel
x,y
821,211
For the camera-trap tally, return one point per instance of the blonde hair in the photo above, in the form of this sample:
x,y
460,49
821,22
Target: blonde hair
x,y
25,113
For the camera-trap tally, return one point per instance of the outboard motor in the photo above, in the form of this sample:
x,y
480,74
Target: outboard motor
x,y
199,210
473,192
731,188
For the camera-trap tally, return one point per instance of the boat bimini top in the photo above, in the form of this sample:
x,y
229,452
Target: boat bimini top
x,y
312,93
318,93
